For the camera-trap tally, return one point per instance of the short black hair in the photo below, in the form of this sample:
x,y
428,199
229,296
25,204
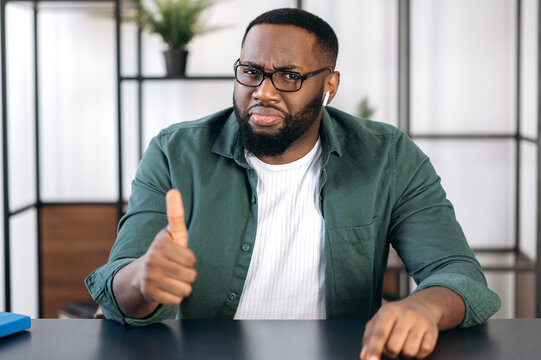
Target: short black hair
x,y
326,43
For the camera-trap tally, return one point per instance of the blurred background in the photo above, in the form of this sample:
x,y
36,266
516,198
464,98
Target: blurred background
x,y
83,93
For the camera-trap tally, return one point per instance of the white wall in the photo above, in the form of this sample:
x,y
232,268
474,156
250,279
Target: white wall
x,y
77,71
368,55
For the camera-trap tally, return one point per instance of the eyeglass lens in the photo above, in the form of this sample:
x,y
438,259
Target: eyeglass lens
x,y
282,80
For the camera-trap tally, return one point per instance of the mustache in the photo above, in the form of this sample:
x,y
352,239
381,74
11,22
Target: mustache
x,y
269,106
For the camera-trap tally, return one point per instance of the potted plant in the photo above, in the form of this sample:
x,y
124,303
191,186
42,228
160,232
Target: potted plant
x,y
177,22
364,109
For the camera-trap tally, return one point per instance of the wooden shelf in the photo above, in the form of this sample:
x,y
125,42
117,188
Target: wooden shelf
x,y
78,5
493,260
170,78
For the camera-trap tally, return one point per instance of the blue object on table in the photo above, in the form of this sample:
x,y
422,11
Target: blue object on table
x,y
11,323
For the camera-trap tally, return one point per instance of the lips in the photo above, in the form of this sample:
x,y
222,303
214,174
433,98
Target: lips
x,y
265,120
265,117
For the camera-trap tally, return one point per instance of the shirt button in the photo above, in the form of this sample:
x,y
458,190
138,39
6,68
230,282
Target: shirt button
x,y
254,199
245,247
232,296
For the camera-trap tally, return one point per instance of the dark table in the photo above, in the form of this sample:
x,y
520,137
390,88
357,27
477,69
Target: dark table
x,y
254,340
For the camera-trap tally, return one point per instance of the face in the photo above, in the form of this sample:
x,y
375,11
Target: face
x,y
277,125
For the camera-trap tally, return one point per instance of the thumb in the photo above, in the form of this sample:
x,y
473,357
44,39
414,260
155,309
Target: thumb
x,y
175,217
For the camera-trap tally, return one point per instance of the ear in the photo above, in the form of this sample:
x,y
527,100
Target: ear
x,y
331,85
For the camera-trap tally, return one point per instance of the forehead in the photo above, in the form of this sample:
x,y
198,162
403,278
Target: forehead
x,y
279,45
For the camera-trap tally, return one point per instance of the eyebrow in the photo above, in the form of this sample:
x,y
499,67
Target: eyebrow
x,y
290,67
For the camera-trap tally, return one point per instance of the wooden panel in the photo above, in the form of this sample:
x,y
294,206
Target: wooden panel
x,y
525,295
393,287
76,239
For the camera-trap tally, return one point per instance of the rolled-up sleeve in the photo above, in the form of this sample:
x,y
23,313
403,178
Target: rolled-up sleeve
x,y
429,239
145,217
99,284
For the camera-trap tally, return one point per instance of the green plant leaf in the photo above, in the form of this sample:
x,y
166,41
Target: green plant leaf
x,y
364,109
176,21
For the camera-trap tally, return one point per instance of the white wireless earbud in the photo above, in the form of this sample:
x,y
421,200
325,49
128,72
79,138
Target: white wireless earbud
x,y
326,99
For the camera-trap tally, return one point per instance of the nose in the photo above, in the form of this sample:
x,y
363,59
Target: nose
x,y
266,91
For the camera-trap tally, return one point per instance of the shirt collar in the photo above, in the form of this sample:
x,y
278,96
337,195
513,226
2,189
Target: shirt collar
x,y
328,132
228,144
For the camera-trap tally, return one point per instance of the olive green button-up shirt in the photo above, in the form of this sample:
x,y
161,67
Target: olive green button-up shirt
x,y
376,189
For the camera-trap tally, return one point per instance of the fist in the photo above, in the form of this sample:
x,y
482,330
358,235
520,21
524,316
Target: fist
x,y
403,327
166,271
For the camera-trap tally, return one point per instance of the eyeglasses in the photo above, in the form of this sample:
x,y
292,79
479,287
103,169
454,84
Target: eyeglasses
x,y
287,81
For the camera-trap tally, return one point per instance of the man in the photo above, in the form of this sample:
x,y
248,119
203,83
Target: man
x,y
290,207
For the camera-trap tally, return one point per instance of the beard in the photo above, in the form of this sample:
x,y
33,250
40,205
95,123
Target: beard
x,y
294,127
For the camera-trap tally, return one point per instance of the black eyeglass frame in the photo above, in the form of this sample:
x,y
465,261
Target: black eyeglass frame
x,y
270,74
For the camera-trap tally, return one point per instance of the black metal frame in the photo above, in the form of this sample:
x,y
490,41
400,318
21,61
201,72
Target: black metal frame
x,y
38,161
119,108
538,260
7,262
523,264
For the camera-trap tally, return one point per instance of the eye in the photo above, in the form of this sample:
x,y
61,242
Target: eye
x,y
250,71
291,76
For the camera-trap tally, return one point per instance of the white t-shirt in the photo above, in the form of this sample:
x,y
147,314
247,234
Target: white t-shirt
x,y
286,277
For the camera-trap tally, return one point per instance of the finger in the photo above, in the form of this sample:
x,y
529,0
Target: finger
x,y
175,217
182,273
412,343
429,343
177,288
375,340
180,255
366,336
163,297
164,251
177,253
400,334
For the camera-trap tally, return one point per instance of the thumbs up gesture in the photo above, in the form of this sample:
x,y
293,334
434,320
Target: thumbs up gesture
x,y
167,269
165,273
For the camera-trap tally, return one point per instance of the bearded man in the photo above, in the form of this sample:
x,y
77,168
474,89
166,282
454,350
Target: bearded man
x,y
290,207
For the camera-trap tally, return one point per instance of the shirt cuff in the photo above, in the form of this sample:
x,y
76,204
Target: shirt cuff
x,y
100,286
481,302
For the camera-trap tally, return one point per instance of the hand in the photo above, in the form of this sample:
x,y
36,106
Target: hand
x,y
166,271
406,327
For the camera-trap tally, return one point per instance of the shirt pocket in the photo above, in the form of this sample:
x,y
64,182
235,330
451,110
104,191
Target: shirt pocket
x,y
352,256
